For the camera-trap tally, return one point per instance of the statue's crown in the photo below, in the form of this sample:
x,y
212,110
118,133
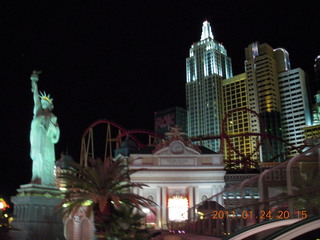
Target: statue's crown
x,y
46,97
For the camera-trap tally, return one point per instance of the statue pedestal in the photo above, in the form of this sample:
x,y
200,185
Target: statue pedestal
x,y
36,215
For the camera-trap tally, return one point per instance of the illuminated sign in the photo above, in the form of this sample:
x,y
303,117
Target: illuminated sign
x,y
178,208
165,122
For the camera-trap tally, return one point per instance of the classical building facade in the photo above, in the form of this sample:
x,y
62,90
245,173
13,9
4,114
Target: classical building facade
x,y
177,171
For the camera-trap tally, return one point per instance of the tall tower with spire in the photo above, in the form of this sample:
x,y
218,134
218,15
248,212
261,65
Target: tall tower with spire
x,y
207,65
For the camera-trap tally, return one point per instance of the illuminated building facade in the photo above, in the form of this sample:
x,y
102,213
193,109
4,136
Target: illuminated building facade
x,y
295,113
177,171
207,65
316,110
235,97
262,66
279,95
317,70
317,74
312,132
314,81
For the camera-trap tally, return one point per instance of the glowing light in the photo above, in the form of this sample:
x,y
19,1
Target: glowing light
x,y
255,49
3,204
66,205
286,58
201,215
146,210
46,97
87,203
206,31
178,208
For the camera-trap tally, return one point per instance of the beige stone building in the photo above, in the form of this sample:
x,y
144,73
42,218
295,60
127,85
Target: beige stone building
x,y
177,172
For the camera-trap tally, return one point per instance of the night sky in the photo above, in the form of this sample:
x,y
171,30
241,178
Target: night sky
x,y
123,60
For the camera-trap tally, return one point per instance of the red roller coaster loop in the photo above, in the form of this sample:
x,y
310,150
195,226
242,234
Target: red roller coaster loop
x,y
114,133
262,136
246,159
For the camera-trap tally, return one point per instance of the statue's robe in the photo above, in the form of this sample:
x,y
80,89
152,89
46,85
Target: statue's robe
x,y
43,136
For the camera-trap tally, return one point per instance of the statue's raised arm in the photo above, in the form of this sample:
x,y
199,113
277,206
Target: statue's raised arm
x,y
34,88
44,134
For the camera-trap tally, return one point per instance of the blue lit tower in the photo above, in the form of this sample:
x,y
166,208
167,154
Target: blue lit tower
x,y
207,65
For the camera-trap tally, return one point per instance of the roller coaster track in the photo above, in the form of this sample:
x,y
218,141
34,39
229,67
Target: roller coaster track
x,y
115,133
263,135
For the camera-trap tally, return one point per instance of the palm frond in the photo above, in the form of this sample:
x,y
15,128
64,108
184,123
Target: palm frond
x,y
107,187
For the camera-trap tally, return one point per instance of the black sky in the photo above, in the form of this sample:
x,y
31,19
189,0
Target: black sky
x,y
123,60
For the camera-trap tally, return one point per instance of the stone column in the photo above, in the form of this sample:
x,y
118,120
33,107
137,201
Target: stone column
x,y
158,209
196,195
164,209
191,202
220,197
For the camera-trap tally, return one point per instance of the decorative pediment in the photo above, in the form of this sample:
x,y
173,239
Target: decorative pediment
x,y
175,144
176,147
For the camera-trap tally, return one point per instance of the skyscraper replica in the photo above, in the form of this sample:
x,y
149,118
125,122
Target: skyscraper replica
x,y
295,112
314,82
207,65
264,96
275,96
312,132
236,122
279,95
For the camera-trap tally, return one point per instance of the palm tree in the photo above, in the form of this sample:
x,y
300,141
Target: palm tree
x,y
104,188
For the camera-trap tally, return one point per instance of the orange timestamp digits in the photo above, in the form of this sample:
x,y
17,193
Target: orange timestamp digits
x,y
283,214
280,214
223,214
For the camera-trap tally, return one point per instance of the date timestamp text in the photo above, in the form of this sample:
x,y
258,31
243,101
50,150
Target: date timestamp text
x,y
280,214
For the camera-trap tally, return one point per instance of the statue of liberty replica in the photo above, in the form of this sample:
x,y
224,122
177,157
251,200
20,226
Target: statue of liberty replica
x,y
44,134
35,205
